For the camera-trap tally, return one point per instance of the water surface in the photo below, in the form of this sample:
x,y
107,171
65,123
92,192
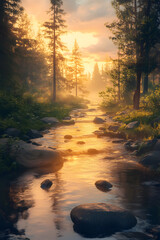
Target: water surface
x,y
45,215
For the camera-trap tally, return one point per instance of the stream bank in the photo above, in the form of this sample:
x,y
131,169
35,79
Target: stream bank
x,y
40,214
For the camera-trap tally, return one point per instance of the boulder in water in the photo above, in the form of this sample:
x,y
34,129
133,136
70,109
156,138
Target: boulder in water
x,y
98,120
100,219
34,134
31,156
103,185
151,160
68,137
46,184
50,120
81,142
92,151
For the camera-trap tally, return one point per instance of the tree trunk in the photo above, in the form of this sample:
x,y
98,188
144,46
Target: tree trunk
x,y
136,99
76,81
119,77
145,86
54,57
145,89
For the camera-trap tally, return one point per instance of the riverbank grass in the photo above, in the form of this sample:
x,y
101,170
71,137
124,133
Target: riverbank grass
x,y
25,113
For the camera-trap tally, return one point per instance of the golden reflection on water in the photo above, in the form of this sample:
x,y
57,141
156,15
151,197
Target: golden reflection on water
x,y
49,216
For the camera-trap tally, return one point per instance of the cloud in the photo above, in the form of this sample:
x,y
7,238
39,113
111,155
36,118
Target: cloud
x,y
70,5
104,45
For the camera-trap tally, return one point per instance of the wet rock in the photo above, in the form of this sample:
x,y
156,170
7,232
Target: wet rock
x,y
99,133
109,158
115,134
31,156
36,144
147,146
13,132
118,141
132,146
100,219
113,128
92,151
151,183
25,138
102,128
50,120
69,150
103,185
46,184
151,160
34,134
82,115
67,118
68,122
132,125
53,148
81,142
98,120
68,137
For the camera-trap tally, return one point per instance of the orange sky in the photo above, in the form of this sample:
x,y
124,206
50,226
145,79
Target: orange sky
x,y
85,21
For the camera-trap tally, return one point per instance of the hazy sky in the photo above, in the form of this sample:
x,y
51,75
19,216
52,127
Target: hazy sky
x,y
85,21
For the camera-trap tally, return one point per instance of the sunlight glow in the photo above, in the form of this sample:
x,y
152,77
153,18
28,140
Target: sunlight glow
x,y
84,39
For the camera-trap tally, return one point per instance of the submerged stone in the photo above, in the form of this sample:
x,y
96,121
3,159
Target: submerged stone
x,y
103,185
81,142
46,184
92,151
68,137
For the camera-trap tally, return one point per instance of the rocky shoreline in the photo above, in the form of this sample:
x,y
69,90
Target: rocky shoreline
x,y
29,154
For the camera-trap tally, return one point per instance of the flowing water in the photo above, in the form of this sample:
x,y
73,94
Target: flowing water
x,y
45,215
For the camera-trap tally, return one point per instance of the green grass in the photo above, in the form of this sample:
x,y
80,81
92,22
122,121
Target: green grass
x,y
145,130
25,113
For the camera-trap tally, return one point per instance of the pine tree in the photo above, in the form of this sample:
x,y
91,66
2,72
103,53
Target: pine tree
x,y
9,13
54,29
77,66
96,78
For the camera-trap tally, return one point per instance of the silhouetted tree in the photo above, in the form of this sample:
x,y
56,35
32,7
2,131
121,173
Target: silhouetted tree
x,y
54,29
9,13
77,67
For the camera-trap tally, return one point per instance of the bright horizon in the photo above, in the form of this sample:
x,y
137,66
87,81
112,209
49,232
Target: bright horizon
x,y
85,23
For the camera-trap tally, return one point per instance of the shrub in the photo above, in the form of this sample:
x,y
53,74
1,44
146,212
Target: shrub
x,y
152,101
